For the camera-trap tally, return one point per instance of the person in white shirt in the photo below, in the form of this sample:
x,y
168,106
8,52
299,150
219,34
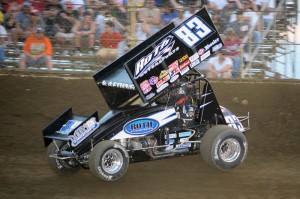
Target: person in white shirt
x,y
219,66
268,7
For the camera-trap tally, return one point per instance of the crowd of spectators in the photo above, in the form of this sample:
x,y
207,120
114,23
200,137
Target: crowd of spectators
x,y
75,25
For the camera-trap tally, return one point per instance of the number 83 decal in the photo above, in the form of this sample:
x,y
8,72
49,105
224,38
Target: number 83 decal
x,y
193,31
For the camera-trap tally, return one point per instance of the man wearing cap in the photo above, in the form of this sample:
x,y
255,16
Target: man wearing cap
x,y
37,50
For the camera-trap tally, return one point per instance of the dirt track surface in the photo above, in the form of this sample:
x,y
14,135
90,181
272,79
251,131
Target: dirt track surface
x,y
30,101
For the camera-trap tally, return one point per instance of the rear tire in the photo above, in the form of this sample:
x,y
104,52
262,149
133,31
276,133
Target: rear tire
x,y
108,160
67,166
223,147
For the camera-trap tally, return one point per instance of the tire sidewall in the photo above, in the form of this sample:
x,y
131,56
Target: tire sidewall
x,y
215,155
97,156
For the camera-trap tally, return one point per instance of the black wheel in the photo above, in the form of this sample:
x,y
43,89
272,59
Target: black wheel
x,y
223,147
65,166
108,160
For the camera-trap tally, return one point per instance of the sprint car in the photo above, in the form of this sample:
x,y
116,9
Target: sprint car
x,y
160,107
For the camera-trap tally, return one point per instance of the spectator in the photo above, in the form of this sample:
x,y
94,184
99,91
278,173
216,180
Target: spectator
x,y
168,14
180,16
108,44
100,22
37,50
85,29
65,21
151,15
3,36
52,8
192,9
227,13
23,23
78,5
11,20
36,20
232,45
219,66
268,7
250,12
119,27
117,11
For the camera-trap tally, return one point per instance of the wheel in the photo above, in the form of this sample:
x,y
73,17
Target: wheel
x,y
108,160
223,147
66,166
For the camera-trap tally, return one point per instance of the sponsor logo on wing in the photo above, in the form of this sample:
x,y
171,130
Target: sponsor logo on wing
x,y
205,55
141,126
162,81
184,64
83,131
194,57
153,80
195,63
162,87
150,95
201,51
208,46
145,87
147,62
183,58
217,47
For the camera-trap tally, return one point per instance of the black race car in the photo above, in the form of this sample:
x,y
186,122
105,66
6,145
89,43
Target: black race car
x,y
161,107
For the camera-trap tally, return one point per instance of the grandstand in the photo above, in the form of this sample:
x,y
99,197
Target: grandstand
x,y
272,57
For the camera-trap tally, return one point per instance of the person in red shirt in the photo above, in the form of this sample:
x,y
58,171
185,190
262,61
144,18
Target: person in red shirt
x,y
37,50
109,41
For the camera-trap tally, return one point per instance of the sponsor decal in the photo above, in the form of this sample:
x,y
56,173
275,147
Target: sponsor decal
x,y
195,63
185,134
173,68
208,46
118,85
153,80
145,86
171,136
201,51
174,78
217,47
194,57
154,58
184,67
205,55
68,127
83,131
162,87
149,96
183,58
163,74
193,31
162,81
141,126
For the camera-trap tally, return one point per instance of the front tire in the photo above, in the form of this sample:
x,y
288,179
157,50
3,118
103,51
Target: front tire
x,y
108,160
223,147
66,166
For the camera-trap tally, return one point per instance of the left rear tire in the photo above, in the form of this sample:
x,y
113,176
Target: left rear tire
x,y
66,166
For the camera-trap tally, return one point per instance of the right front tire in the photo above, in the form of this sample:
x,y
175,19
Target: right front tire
x,y
108,160
223,147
